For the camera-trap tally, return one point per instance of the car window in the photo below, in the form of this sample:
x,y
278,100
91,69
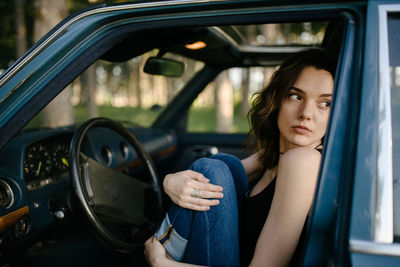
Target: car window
x,y
223,106
123,91
394,62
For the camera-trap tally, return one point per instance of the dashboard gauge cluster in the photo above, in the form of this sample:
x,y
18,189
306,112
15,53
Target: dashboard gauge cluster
x,y
45,162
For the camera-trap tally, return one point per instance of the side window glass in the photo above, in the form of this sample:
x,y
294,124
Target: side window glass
x,y
223,106
122,91
394,62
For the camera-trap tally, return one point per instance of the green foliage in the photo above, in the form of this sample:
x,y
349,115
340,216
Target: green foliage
x,y
204,120
200,119
7,34
8,31
75,5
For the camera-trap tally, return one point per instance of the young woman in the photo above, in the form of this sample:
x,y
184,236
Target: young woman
x,y
289,118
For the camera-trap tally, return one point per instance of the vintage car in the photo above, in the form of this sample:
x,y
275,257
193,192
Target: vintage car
x,y
90,193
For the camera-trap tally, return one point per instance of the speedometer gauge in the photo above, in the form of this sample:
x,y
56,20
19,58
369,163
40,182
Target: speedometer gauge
x,y
37,162
46,161
60,157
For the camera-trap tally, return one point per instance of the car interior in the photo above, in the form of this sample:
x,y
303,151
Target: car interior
x,y
52,207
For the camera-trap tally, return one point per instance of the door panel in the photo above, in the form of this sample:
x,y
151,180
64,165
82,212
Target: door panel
x,y
192,146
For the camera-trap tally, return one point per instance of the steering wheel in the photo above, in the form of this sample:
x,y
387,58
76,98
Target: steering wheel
x,y
110,198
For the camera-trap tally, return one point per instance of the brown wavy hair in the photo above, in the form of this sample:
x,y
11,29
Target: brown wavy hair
x,y
263,116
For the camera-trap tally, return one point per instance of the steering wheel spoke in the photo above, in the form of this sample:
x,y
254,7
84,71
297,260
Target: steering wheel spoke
x,y
110,196
115,195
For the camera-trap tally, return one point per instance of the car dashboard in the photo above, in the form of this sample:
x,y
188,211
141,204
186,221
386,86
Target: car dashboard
x,y
35,187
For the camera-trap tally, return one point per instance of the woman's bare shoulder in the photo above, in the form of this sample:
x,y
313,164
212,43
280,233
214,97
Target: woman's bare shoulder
x,y
299,164
301,155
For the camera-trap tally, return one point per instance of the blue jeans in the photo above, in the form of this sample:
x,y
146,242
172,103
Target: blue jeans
x,y
208,237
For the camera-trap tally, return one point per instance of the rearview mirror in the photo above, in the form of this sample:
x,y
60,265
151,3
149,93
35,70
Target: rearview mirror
x,y
164,66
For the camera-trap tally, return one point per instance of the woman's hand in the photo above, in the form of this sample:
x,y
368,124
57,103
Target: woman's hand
x,y
156,255
191,190
154,252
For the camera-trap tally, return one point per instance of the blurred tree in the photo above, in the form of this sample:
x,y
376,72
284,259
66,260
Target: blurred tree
x,y
47,14
134,93
7,36
88,78
20,27
272,34
250,33
88,89
223,103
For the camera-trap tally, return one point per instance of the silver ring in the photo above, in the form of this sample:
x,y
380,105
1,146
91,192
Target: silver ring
x,y
196,193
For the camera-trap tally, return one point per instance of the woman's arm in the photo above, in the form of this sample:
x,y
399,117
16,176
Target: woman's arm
x,y
179,187
294,192
156,255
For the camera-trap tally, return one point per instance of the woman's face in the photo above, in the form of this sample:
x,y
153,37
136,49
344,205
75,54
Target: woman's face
x,y
304,113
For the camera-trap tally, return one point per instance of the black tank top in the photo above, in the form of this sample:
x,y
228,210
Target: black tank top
x,y
255,210
253,215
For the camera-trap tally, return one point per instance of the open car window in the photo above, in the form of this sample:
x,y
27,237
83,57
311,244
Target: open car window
x,y
123,91
224,104
119,88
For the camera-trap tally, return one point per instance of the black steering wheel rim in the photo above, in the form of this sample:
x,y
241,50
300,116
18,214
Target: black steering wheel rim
x,y
79,187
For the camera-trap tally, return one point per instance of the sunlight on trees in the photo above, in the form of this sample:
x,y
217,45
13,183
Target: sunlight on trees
x,y
121,85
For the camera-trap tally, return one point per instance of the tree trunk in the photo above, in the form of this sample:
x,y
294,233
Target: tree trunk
x,y
145,83
272,33
224,103
244,105
251,34
20,27
88,87
134,85
47,14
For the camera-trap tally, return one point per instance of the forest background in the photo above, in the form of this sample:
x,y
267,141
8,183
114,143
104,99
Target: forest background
x,y
121,91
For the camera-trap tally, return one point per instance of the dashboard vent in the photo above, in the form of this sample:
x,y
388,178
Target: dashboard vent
x,y
106,155
6,194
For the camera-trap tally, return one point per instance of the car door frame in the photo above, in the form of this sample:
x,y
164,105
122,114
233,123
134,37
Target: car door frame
x,y
371,230
335,174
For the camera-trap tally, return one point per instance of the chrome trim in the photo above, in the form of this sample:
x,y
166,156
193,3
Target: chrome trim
x,y
9,193
89,13
383,216
272,49
370,247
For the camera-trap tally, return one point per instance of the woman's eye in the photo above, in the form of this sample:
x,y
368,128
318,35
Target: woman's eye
x,y
325,104
294,96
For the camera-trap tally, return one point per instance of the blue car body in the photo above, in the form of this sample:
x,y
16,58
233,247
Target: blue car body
x,y
348,221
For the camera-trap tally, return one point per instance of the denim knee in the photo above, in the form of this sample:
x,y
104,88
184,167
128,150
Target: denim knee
x,y
213,169
227,158
238,172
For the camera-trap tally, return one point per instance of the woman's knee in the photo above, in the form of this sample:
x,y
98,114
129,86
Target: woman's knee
x,y
215,170
236,168
227,158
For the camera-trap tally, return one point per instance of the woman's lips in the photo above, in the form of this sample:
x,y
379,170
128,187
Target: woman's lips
x,y
301,129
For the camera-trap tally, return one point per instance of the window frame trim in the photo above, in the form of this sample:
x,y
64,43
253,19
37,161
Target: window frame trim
x,y
383,214
371,247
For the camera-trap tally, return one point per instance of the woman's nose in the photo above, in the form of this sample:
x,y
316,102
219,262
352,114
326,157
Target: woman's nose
x,y
305,111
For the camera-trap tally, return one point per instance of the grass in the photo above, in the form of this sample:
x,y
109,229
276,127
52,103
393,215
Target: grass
x,y
204,120
200,119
